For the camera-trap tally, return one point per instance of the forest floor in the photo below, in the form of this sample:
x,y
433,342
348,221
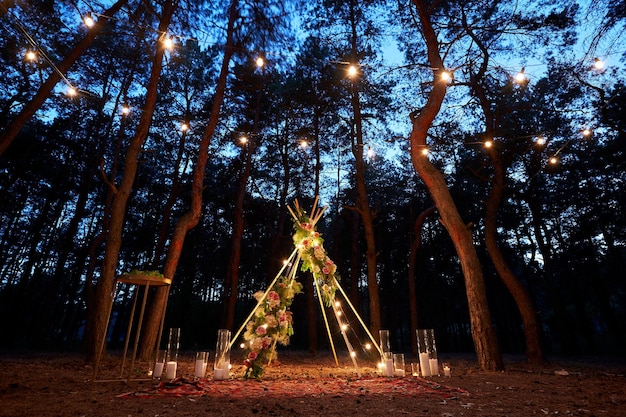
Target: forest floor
x,y
305,385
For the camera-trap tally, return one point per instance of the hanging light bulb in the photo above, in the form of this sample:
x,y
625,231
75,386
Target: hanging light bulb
x,y
554,160
598,64
520,77
88,20
488,143
71,91
368,346
425,151
541,140
370,152
586,132
344,327
168,43
352,71
260,62
243,140
184,126
125,109
304,143
30,55
446,76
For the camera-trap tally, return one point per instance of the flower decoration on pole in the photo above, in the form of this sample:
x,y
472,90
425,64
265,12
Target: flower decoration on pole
x,y
309,244
271,324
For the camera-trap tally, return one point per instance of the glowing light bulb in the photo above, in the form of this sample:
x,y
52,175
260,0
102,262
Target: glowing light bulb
x,y
352,71
88,20
243,140
71,91
370,152
554,160
368,346
488,143
598,63
31,55
344,327
125,109
353,354
425,151
168,43
337,304
586,132
285,262
184,127
260,62
304,143
339,313
242,345
520,77
446,76
540,140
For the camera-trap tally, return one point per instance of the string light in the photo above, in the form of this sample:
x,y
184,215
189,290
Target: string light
x,y
554,160
30,55
260,62
520,77
488,143
344,327
243,140
304,144
586,132
71,91
446,76
168,43
598,64
352,71
125,109
88,20
368,346
541,140
184,126
425,151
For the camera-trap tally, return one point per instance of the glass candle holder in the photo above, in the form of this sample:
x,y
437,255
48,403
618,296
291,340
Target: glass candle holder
x,y
221,367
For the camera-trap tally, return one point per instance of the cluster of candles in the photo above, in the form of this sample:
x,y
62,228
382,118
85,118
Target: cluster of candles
x,y
393,364
166,364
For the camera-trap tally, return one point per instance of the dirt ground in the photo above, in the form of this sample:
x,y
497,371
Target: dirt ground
x,y
64,385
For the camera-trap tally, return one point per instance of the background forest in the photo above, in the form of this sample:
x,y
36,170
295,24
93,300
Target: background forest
x,y
120,152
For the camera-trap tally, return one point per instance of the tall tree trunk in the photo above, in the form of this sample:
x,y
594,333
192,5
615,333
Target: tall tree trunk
x,y
191,218
534,352
106,284
483,333
12,130
416,241
362,203
520,295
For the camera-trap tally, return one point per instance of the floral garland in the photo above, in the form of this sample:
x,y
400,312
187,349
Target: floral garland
x,y
271,324
314,258
272,321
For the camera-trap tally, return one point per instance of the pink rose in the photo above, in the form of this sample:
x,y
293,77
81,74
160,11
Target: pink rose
x,y
252,356
261,330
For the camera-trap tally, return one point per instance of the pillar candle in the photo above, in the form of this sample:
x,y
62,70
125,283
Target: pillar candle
x,y
434,366
170,370
424,365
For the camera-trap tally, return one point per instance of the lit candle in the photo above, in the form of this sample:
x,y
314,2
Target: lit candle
x,y
389,367
424,365
200,368
170,370
158,370
434,366
446,371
